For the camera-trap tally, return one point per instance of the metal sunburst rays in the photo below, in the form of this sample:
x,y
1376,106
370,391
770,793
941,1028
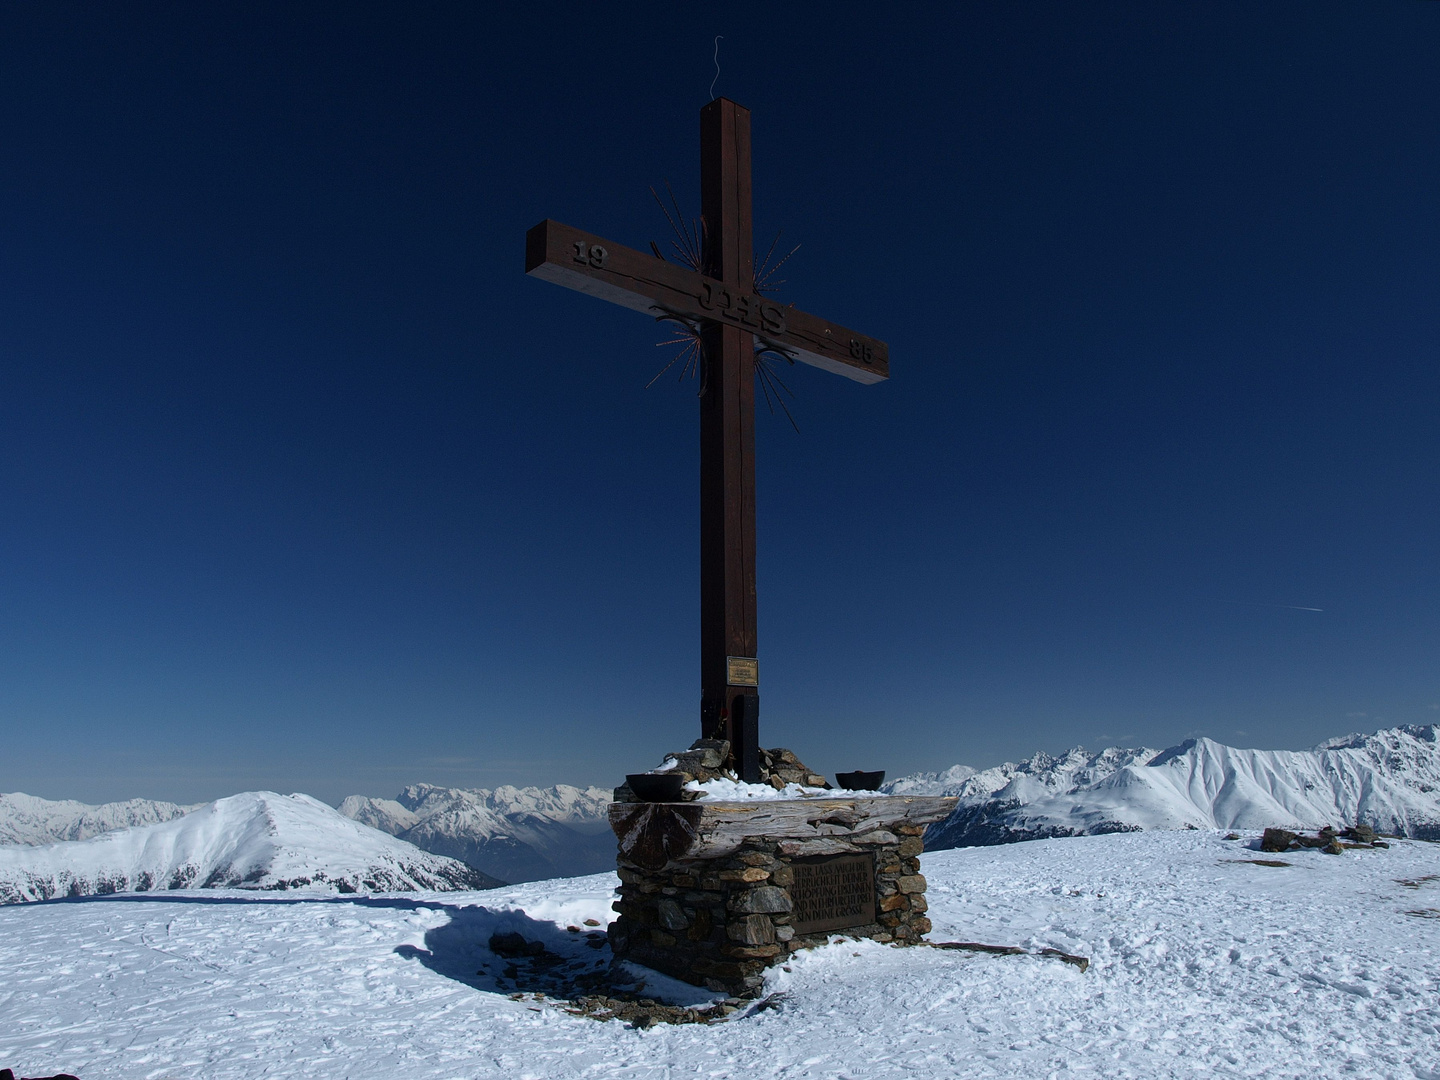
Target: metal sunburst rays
x,y
688,338
766,356
689,241
764,272
688,244
690,357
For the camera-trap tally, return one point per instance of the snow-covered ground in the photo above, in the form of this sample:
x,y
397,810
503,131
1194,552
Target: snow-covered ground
x,y
1202,963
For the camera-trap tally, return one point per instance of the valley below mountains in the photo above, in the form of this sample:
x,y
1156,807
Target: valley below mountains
x,y
514,834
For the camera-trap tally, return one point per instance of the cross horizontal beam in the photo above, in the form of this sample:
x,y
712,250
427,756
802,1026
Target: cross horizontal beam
x,y
642,282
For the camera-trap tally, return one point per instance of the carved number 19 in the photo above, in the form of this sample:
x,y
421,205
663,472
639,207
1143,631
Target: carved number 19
x,y
590,254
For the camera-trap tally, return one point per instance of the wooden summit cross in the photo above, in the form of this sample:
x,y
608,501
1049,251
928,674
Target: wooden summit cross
x,y
721,306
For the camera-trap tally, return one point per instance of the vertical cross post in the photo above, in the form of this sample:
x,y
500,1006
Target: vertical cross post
x,y
729,695
718,300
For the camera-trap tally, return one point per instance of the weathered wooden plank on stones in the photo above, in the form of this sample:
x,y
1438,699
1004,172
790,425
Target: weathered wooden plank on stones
x,y
826,845
701,830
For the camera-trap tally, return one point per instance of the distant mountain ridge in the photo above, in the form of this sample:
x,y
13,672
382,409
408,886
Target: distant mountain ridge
x,y
509,833
25,819
255,840
516,834
1389,779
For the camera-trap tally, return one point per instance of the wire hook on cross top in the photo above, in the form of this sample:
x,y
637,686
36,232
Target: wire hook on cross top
x,y
716,58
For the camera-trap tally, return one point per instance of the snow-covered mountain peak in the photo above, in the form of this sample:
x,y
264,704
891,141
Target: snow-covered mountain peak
x,y
1391,738
926,783
387,815
1036,775
1388,779
1173,752
560,802
256,840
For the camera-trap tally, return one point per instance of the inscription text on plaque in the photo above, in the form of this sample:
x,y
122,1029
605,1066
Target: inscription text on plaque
x,y
833,892
742,671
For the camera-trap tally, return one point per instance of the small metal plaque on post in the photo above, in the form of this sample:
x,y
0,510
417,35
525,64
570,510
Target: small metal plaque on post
x,y
833,892
742,671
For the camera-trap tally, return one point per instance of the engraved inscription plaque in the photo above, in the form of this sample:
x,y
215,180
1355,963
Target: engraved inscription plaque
x,y
833,892
742,671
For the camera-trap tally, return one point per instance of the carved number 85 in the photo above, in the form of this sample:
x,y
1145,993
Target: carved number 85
x,y
590,254
862,351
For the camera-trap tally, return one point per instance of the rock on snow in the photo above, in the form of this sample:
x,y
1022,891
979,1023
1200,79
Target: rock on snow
x,y
257,840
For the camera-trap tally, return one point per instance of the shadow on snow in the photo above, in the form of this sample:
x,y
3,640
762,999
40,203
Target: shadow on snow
x,y
545,959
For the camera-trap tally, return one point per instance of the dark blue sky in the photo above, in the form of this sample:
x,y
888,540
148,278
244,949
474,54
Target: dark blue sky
x,y
304,485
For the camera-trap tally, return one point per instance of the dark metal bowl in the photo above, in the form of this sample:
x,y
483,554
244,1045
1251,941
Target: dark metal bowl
x,y
656,787
860,781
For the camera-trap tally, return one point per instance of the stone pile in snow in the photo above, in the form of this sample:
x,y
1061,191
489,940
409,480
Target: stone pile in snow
x,y
1355,838
515,834
1388,780
256,840
706,776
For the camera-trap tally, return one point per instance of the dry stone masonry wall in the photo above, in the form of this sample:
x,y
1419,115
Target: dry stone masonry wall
x,y
721,922
715,892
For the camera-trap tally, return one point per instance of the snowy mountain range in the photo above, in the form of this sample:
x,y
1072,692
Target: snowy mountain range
x,y
515,834
437,836
1389,779
258,840
508,833
24,819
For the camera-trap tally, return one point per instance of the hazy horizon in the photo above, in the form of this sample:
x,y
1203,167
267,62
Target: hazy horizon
x,y
335,795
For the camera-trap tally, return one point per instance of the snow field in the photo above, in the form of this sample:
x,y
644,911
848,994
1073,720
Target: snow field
x,y
1201,964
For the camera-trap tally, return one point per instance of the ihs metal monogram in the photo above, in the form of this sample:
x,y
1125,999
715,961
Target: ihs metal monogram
x,y
744,308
